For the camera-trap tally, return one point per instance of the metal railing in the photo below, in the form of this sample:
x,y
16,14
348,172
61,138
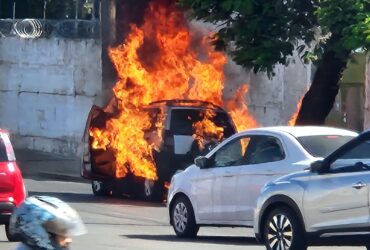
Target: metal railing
x,y
41,28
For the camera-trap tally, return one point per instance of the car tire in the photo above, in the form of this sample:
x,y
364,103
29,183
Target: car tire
x,y
11,237
101,188
183,219
283,230
152,190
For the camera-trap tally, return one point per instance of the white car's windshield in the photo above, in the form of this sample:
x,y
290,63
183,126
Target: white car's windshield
x,y
323,145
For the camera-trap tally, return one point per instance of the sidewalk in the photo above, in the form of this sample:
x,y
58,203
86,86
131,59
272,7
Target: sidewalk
x,y
48,165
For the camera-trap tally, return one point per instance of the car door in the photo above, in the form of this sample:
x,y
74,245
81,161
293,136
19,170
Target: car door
x,y
339,197
265,160
215,186
227,162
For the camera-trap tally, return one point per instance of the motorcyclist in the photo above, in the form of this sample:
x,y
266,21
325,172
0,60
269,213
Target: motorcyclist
x,y
45,223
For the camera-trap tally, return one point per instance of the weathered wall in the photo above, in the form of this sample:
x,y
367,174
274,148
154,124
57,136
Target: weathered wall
x,y
47,87
271,101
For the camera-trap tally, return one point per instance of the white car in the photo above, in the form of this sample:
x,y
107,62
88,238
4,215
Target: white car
x,y
221,188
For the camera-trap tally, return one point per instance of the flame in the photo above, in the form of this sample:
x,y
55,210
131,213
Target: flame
x,y
206,131
239,112
101,139
162,59
293,118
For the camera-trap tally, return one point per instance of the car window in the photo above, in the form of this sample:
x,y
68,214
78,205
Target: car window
x,y
322,145
233,153
3,155
265,149
356,159
182,121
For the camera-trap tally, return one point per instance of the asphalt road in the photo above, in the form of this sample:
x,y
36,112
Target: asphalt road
x,y
125,224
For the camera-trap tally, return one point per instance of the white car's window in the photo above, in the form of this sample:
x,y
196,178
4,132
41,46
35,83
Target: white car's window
x,y
232,154
322,145
356,159
265,149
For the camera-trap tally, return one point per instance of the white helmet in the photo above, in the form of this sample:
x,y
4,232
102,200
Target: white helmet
x,y
40,217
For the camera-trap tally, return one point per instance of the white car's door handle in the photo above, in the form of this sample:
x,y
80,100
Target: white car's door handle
x,y
359,185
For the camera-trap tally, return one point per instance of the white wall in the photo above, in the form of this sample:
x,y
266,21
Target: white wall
x,y
47,87
271,101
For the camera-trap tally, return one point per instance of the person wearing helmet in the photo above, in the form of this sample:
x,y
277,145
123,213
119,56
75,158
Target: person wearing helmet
x,y
45,223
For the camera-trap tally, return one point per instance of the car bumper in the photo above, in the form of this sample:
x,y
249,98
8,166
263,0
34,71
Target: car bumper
x,y
6,210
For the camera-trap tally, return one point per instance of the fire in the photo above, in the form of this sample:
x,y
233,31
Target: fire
x,y
159,61
239,112
206,130
293,118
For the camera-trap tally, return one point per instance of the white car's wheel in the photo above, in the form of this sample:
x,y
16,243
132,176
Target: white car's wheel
x,y
282,231
182,218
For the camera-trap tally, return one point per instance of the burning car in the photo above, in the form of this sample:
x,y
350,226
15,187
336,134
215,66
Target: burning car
x,y
176,135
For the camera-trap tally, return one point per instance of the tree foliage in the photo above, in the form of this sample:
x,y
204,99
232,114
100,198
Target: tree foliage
x,y
260,34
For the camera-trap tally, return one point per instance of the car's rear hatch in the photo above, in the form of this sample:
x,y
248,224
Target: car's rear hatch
x,y
96,164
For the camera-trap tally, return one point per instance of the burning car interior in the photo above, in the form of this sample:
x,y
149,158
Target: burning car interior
x,y
177,134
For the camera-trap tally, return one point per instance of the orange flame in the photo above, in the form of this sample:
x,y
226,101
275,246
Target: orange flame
x,y
206,130
159,61
293,118
239,112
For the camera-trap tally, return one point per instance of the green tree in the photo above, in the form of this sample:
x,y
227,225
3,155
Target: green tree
x,y
260,34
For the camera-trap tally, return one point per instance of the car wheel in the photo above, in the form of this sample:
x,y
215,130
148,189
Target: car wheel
x,y
283,231
100,188
11,237
183,219
152,190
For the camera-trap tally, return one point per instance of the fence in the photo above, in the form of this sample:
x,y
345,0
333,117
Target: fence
x,y
38,28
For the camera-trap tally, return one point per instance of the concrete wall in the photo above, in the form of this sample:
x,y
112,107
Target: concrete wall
x,y
47,87
271,101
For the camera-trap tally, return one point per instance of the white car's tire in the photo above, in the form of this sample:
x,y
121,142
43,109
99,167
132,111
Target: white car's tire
x,y
283,230
183,219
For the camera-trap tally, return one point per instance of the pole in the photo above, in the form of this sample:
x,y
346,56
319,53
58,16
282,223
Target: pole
x,y
13,9
77,4
45,2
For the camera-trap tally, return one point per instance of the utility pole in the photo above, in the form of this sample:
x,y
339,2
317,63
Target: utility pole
x,y
108,37
76,8
13,5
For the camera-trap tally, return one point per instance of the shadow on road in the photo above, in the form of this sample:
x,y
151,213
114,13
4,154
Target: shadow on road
x,y
40,176
90,198
226,240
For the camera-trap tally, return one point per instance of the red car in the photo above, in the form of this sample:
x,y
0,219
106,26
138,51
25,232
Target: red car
x,y
12,189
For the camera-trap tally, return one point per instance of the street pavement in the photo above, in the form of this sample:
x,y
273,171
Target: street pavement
x,y
118,223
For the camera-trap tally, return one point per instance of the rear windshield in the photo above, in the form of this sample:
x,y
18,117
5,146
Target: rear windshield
x,y
3,155
182,121
323,145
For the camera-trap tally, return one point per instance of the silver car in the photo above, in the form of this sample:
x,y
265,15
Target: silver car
x,y
327,200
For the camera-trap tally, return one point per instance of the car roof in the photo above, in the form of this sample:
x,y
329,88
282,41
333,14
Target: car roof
x,y
298,131
185,103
